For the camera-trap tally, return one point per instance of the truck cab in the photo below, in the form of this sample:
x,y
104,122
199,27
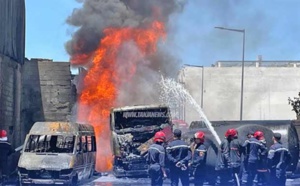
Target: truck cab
x,y
133,128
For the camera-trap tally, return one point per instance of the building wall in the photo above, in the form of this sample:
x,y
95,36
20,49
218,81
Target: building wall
x,y
266,92
47,92
12,49
10,90
12,26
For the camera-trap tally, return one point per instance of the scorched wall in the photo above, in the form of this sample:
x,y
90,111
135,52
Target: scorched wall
x,y
47,92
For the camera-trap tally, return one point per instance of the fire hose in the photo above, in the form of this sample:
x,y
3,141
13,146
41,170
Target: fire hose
x,y
19,148
237,179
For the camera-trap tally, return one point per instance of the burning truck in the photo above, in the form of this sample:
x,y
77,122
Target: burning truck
x,y
133,128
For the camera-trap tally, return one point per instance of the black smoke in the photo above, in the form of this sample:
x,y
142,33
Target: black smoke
x,y
96,15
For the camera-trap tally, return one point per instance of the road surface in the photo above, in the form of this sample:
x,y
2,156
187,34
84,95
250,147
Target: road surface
x,y
110,180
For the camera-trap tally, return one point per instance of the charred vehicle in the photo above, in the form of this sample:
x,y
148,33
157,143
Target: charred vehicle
x,y
133,129
57,153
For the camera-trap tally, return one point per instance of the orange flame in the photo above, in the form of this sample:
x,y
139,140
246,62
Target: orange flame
x,y
100,89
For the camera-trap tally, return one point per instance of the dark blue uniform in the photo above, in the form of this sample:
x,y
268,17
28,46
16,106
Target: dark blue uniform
x,y
5,151
223,166
278,160
199,163
178,152
236,150
253,148
156,160
262,167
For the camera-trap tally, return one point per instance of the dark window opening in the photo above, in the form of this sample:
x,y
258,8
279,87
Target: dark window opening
x,y
50,143
78,147
94,144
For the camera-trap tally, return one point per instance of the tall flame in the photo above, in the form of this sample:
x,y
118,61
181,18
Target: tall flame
x,y
101,83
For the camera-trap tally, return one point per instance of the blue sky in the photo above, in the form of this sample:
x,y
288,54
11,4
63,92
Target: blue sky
x,y
272,30
46,28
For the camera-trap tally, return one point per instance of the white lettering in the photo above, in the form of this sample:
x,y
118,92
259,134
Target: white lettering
x,y
145,114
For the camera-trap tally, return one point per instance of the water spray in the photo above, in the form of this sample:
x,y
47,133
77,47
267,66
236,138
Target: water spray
x,y
173,91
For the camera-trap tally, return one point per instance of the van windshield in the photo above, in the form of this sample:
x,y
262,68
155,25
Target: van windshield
x,y
50,144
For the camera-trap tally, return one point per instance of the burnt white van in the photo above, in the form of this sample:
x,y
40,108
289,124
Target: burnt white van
x,y
59,153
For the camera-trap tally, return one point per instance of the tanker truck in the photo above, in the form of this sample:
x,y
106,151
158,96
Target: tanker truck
x,y
286,128
133,128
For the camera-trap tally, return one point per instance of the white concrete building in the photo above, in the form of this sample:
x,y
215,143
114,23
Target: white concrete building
x,y
217,89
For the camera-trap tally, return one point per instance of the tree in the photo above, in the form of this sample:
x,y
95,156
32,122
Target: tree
x,y
296,105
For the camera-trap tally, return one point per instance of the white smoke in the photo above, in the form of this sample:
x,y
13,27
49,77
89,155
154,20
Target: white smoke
x,y
138,80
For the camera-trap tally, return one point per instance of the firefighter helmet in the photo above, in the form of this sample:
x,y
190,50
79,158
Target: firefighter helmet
x,y
259,135
230,133
199,135
3,134
159,136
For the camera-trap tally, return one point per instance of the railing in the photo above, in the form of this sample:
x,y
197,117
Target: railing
x,y
257,64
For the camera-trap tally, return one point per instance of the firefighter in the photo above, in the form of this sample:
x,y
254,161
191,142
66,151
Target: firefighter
x,y
279,158
5,151
236,151
224,166
253,148
156,160
250,134
199,159
179,154
262,168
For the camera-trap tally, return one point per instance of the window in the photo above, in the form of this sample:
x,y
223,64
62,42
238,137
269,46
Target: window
x,y
68,143
94,147
89,144
50,143
84,143
78,147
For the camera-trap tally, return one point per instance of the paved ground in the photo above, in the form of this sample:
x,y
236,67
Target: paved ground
x,y
112,181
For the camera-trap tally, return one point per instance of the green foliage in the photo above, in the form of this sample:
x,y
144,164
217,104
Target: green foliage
x,y
295,103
